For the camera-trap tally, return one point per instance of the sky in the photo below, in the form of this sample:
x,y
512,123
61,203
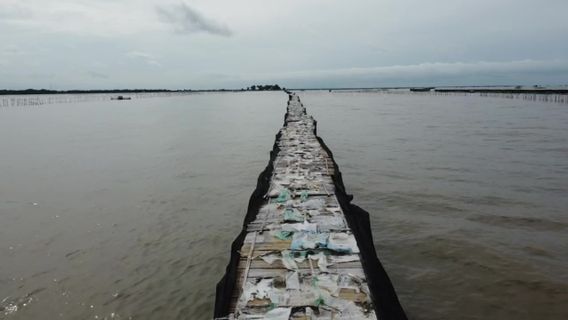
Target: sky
x,y
202,44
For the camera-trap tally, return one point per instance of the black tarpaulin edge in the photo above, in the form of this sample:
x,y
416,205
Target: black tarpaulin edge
x,y
385,300
226,285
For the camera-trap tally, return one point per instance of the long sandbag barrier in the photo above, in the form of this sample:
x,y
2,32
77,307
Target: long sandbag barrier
x,y
230,289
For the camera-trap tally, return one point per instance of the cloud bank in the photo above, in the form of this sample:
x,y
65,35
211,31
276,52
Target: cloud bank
x,y
301,43
438,69
438,73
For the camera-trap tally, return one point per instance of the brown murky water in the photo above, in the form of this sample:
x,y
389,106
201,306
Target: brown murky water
x,y
467,197
127,209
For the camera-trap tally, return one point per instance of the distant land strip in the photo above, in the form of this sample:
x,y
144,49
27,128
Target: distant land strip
x,y
487,90
45,91
457,89
268,87
472,89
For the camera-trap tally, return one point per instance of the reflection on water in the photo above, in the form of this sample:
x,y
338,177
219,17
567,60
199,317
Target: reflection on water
x,y
128,208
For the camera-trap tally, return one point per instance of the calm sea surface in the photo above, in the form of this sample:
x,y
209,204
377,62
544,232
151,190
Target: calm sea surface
x,y
126,209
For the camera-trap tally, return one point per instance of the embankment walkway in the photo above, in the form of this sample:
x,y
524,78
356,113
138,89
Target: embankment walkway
x,y
301,253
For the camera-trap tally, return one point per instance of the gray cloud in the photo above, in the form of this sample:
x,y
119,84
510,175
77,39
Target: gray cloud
x,y
97,75
12,50
144,56
187,20
13,12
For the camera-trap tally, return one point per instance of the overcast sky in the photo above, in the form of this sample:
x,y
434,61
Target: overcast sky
x,y
66,44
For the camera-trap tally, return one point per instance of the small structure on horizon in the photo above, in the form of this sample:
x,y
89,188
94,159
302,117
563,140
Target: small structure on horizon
x,y
120,98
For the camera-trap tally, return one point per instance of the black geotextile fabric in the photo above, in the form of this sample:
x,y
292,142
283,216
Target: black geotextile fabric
x,y
382,291
226,285
384,297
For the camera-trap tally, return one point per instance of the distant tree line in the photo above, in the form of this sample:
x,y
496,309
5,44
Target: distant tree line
x,y
266,87
45,91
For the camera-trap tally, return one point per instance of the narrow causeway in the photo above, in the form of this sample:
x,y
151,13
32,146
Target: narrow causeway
x,y
298,257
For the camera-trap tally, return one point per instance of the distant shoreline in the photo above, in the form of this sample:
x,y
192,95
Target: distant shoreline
x,y
273,87
525,91
448,89
118,91
468,89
